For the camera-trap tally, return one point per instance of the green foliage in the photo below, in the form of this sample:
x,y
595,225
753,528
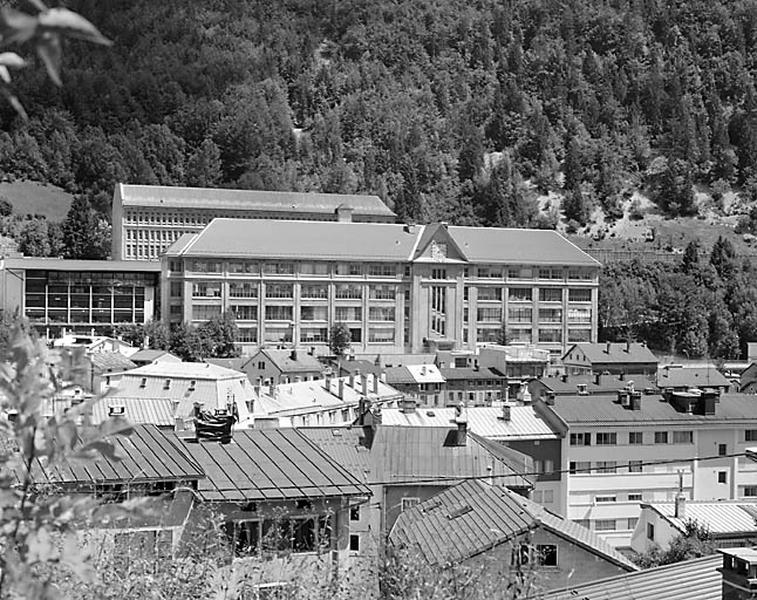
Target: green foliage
x,y
213,339
695,542
85,233
339,339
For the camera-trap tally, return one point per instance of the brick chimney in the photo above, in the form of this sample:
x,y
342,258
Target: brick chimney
x,y
354,374
680,507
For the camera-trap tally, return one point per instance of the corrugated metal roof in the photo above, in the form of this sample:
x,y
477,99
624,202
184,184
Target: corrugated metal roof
x,y
686,376
607,383
605,409
274,464
147,455
284,362
718,517
474,516
104,362
417,453
322,240
597,352
155,411
696,579
258,200
468,373
485,421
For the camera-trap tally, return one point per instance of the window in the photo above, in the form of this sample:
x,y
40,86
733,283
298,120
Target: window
x,y
519,295
490,294
177,288
683,437
355,513
550,273
261,365
205,312
722,449
550,315
750,491
206,289
349,291
580,274
383,292
244,312
243,289
722,476
579,335
635,438
279,268
581,295
605,525
314,291
631,522
550,295
605,466
409,502
438,273
546,555
279,290
314,268
348,313
381,313
607,439
519,314
243,267
247,335
382,270
314,334
278,313
635,497
580,439
604,499
581,467
519,273
489,272
660,437
750,435
544,466
351,269
579,315
313,313
635,466
550,335
354,542
492,315
380,335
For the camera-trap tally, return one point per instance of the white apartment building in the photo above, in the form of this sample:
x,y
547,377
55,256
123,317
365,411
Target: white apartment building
x,y
613,448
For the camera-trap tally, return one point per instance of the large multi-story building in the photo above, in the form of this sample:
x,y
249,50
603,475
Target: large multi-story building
x,y
147,219
624,449
91,296
398,288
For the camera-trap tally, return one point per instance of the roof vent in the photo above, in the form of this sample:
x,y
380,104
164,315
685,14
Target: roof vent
x,y
192,385
582,390
116,410
459,512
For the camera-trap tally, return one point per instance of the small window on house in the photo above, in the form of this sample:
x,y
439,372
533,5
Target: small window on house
x,y
722,476
650,531
408,503
660,437
605,499
635,466
580,439
635,497
355,513
143,383
635,438
192,385
722,449
683,437
546,555
167,384
750,491
605,525
354,543
632,522
607,439
261,365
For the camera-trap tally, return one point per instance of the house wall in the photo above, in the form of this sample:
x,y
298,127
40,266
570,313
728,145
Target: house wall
x,y
663,532
392,500
575,564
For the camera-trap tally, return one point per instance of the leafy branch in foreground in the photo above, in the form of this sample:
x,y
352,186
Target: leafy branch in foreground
x,y
45,32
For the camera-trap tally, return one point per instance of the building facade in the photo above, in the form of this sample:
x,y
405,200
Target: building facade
x,y
148,219
397,288
84,296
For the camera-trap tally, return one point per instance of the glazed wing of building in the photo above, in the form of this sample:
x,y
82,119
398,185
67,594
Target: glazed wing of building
x,y
387,306
82,296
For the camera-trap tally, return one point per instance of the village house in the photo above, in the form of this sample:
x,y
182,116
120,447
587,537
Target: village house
x,y
473,386
148,356
627,358
492,531
729,523
423,383
270,365
682,377
587,385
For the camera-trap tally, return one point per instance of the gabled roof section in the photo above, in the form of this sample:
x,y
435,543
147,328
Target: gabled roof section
x,y
615,352
423,455
255,200
474,516
607,383
287,361
153,411
270,464
720,518
685,376
697,579
343,445
437,245
148,455
180,246
150,355
518,246
109,362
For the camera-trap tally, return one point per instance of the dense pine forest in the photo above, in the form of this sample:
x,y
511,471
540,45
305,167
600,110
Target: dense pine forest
x,y
448,109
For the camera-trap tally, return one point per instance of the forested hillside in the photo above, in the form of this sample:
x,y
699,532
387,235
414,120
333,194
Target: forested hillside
x,y
443,107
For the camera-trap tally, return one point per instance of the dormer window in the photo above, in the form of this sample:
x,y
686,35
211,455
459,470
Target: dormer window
x,y
167,384
143,383
192,385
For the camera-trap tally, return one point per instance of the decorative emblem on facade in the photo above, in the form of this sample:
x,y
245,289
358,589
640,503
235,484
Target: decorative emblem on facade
x,y
438,251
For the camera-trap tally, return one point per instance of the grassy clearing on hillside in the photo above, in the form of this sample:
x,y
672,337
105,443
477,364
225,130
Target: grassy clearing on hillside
x,y
30,198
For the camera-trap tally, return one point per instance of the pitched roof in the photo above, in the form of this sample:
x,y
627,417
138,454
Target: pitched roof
x,y
282,359
468,373
150,355
430,456
605,409
697,579
485,421
597,353
343,445
257,200
723,517
364,366
235,364
473,517
325,240
607,383
410,374
147,455
65,264
155,411
685,376
269,464
108,362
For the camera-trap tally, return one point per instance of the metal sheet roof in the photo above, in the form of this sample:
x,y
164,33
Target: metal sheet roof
x,y
274,464
696,579
605,409
284,362
524,423
691,377
147,455
474,516
321,240
343,445
402,454
155,411
722,517
597,352
257,200
64,264
108,362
